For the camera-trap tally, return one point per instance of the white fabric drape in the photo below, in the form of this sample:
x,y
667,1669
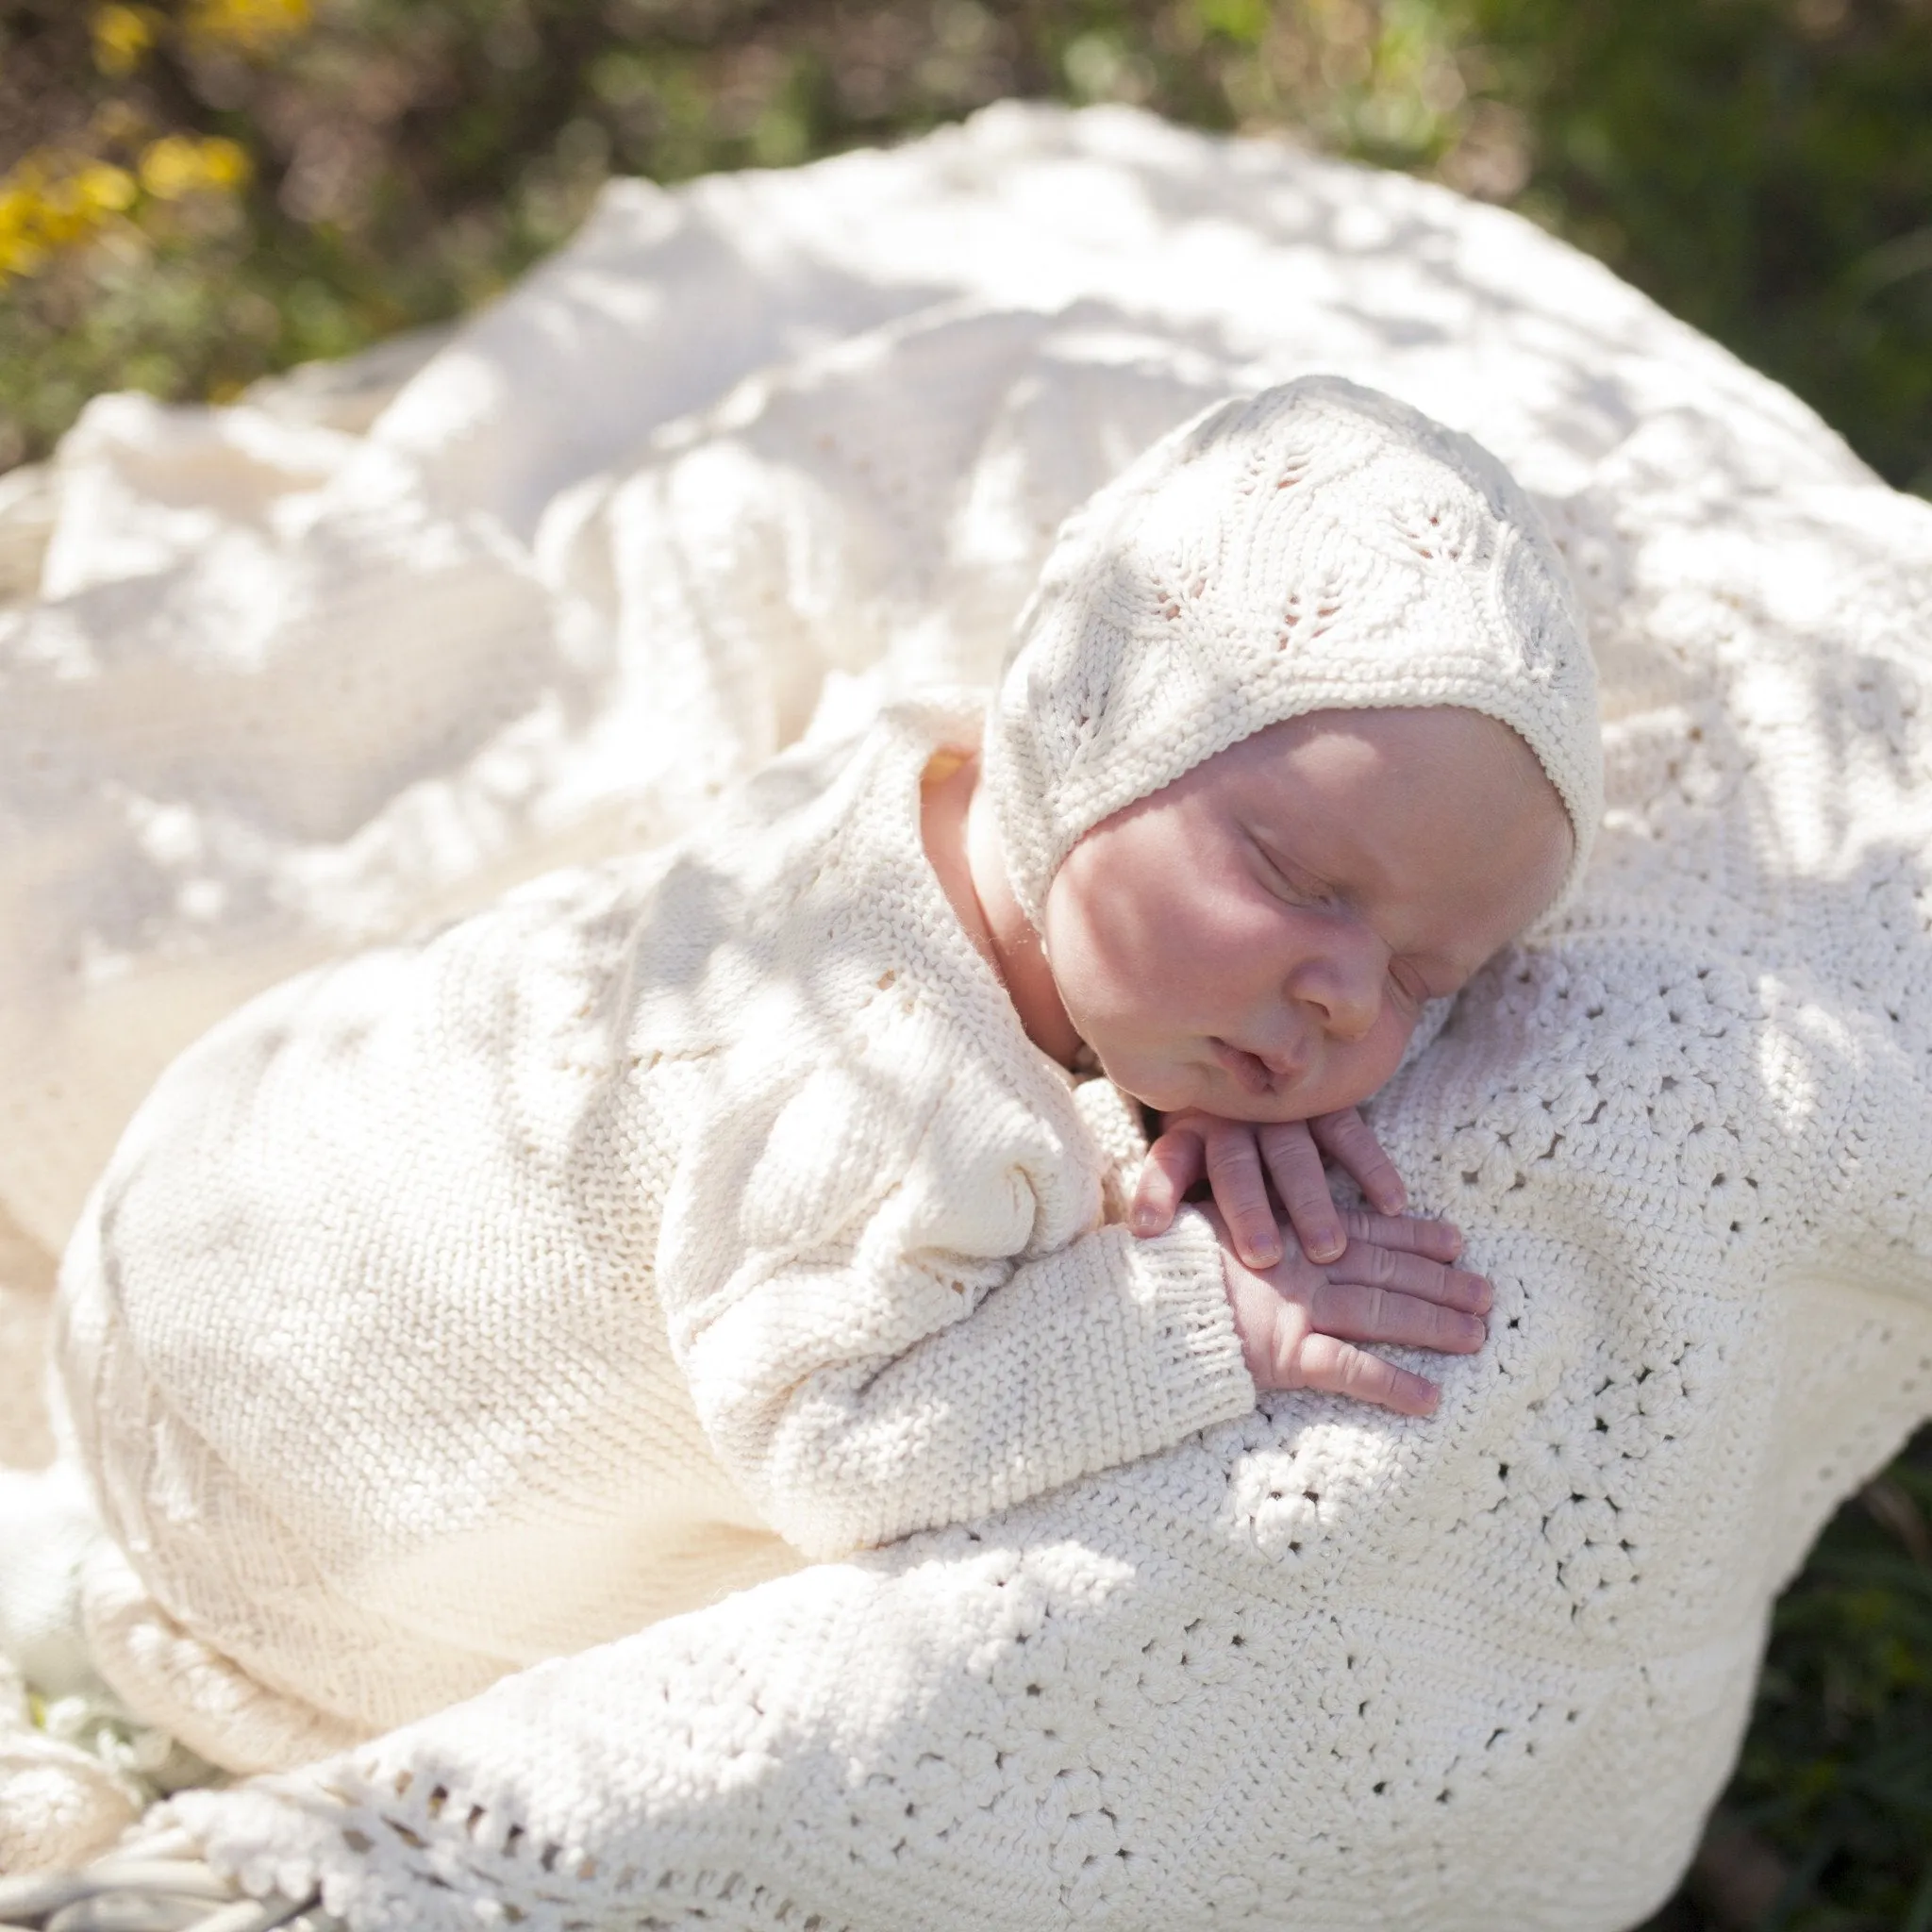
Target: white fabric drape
x,y
289,688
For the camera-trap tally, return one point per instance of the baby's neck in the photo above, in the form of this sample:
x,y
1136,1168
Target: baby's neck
x,y
962,845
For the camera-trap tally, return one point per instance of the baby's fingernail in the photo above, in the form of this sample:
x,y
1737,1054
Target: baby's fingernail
x,y
1145,1221
1329,1250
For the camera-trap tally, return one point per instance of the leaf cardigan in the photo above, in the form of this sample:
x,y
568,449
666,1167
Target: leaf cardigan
x,y
474,1301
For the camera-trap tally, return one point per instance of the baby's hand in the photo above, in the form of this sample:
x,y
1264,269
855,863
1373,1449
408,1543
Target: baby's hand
x,y
1299,1321
1230,1153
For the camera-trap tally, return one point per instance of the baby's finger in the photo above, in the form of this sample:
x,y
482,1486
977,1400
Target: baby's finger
x,y
1174,1162
1441,1240
1345,1139
1341,1369
1234,1172
1302,1182
1352,1312
1368,1266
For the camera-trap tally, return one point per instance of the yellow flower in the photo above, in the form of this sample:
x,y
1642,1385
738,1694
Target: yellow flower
x,y
50,202
251,25
53,201
182,165
122,35
102,186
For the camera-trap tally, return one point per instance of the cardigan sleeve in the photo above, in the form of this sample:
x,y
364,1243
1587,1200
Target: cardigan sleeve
x,y
921,1366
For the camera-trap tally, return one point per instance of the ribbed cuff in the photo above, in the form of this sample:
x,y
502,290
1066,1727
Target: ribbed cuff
x,y
1179,1287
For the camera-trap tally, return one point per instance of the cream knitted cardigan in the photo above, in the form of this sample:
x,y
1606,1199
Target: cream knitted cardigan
x,y
477,1301
1316,1667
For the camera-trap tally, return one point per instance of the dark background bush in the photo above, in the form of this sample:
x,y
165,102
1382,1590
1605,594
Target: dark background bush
x,y
1763,167
195,192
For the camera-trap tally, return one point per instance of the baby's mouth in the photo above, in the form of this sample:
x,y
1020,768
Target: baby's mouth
x,y
1254,1073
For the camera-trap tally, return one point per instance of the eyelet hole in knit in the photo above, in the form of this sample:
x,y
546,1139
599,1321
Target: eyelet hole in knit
x,y
1171,599
1310,613
1432,534
1307,614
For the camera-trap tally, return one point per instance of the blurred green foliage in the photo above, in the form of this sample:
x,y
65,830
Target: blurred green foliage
x,y
1837,1772
340,169
195,192
1762,167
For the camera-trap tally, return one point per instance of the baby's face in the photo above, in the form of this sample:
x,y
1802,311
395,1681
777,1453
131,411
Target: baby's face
x,y
1259,938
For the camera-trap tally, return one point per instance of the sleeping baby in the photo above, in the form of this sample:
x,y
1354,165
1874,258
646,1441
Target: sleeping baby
x,y
688,1216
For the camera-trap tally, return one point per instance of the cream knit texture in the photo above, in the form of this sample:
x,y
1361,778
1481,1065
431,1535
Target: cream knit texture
x,y
291,683
1316,546
479,1299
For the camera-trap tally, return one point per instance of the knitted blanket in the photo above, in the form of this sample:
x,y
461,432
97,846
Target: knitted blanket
x,y
785,443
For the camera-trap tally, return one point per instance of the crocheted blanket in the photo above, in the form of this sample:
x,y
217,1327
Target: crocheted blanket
x,y
778,444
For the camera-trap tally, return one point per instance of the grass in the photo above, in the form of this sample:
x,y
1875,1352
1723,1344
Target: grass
x,y
1837,1772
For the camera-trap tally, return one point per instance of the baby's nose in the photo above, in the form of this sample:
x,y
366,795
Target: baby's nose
x,y
1343,984
1352,1015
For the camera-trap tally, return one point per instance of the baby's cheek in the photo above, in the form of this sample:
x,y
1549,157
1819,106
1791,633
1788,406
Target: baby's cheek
x,y
1367,1067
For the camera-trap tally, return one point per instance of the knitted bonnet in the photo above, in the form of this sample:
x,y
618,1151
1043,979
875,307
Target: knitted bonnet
x,y
1318,546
